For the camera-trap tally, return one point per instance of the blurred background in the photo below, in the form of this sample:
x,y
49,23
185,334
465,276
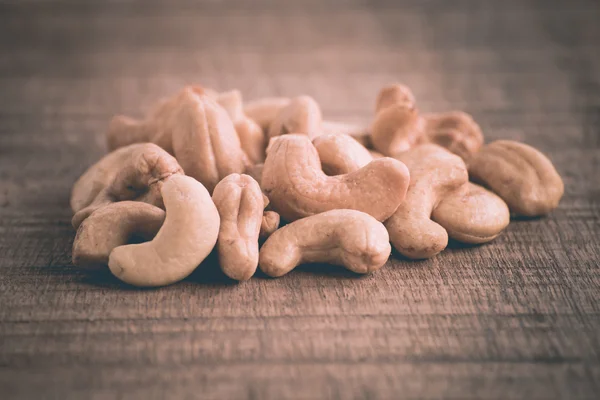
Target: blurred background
x,y
481,323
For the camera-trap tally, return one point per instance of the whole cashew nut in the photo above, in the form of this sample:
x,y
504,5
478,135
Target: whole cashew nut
x,y
398,126
435,174
341,154
204,139
264,111
187,236
240,203
521,175
297,187
134,172
302,116
472,214
252,138
113,226
349,238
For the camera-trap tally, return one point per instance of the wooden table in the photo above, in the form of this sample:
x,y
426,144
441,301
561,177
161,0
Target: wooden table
x,y
517,318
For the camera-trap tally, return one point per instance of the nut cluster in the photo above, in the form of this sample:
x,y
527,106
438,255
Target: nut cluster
x,y
205,171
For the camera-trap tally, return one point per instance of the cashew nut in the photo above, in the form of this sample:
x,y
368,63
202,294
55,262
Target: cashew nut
x,y
435,174
240,203
472,214
252,138
341,154
113,226
302,115
134,172
521,175
297,187
269,224
187,236
349,238
204,139
263,111
398,126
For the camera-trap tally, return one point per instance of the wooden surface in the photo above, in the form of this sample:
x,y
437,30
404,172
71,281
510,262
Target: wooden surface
x,y
517,318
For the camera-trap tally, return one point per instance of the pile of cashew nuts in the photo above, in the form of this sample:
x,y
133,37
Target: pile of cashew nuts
x,y
270,184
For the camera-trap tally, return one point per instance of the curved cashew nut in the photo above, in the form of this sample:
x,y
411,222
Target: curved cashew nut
x,y
263,111
398,126
270,223
134,172
204,139
521,175
434,175
349,238
240,203
341,154
113,226
396,129
297,187
472,214
302,116
252,138
187,236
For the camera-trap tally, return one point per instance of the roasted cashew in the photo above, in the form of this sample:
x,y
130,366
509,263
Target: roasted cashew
x,y
398,126
521,175
240,203
112,226
435,174
472,214
340,153
204,139
297,187
187,236
302,116
349,238
134,172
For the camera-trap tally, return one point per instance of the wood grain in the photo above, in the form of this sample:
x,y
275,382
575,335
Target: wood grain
x,y
517,318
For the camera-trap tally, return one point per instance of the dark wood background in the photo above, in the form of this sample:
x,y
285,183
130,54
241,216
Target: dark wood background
x,y
517,318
